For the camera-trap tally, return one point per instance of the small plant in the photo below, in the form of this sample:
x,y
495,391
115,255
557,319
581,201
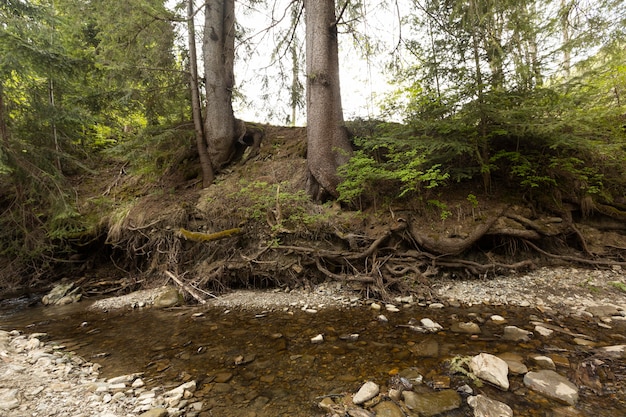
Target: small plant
x,y
443,207
473,200
618,285
460,365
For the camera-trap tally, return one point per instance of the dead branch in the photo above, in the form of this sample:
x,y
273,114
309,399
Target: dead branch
x,y
207,237
186,288
603,262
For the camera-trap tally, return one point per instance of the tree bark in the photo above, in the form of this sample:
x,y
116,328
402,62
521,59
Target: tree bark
x,y
205,162
328,144
219,55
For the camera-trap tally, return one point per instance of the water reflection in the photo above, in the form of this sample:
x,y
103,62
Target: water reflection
x,y
248,364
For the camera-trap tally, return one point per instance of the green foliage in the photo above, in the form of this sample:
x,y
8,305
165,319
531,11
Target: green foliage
x,y
388,167
275,204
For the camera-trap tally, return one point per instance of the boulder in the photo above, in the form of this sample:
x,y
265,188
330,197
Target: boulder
x,y
491,369
552,385
486,407
170,297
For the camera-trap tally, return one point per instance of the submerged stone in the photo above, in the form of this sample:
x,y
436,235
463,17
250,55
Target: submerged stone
x,y
491,369
552,385
432,403
486,407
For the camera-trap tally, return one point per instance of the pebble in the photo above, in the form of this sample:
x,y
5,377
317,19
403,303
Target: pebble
x,y
317,339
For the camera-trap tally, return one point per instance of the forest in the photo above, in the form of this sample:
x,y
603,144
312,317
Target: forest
x,y
500,147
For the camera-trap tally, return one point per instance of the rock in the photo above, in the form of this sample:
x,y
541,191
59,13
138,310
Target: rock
x,y
515,334
317,339
491,369
564,412
552,385
170,297
615,351
391,308
497,319
603,310
468,328
432,403
486,407
543,331
436,305
382,318
359,412
428,348
580,341
62,294
515,363
155,412
367,391
430,325
388,409
543,362
9,398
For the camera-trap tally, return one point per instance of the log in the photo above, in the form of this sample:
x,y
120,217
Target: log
x,y
207,237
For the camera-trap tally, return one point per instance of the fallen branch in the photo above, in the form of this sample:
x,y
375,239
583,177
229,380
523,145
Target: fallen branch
x,y
207,237
186,287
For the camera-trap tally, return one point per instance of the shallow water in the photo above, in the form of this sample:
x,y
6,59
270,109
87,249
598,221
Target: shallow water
x,y
281,373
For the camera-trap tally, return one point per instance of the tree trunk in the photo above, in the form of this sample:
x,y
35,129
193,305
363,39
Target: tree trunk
x,y
328,144
4,130
205,162
219,55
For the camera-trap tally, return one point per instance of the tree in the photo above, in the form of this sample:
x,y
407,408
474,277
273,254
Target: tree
x,y
328,144
219,56
196,107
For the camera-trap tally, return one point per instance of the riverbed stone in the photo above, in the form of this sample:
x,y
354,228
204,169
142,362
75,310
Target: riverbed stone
x,y
388,409
432,403
484,406
552,385
155,412
516,334
543,362
9,398
515,363
491,369
367,391
467,328
169,297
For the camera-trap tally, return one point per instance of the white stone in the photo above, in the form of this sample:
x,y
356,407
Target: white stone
x,y
543,331
497,319
486,407
317,339
391,308
375,306
552,385
431,325
491,369
516,334
367,391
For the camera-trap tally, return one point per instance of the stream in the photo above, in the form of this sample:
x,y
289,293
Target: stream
x,y
265,364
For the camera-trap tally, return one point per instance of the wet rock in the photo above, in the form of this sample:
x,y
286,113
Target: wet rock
x,y
491,369
468,328
359,412
515,334
603,310
486,407
388,409
375,306
564,412
580,341
436,306
382,318
426,349
543,362
62,294
391,308
155,412
170,297
367,391
497,319
552,385
317,339
515,363
543,331
615,351
432,403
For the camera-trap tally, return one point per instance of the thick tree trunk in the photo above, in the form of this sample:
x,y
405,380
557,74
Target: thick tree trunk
x,y
219,55
328,144
205,162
